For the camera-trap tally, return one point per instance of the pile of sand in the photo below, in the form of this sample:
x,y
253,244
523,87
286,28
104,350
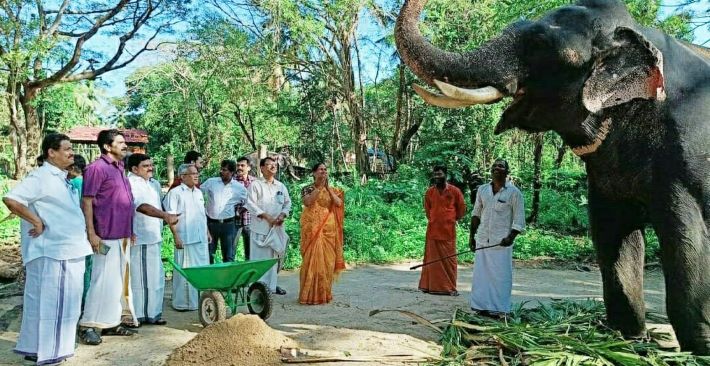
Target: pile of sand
x,y
242,340
11,268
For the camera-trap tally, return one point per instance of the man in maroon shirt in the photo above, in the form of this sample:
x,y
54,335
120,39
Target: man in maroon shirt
x,y
108,211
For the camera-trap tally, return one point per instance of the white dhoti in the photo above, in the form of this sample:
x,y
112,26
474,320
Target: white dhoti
x,y
492,279
147,282
185,297
257,251
51,308
109,295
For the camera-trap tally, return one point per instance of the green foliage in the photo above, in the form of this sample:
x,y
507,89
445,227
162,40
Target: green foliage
x,y
63,106
559,333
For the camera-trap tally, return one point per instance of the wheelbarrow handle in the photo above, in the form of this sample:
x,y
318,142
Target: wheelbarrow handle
x,y
177,268
453,255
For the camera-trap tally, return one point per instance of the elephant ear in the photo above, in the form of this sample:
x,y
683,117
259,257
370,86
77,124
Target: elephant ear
x,y
632,68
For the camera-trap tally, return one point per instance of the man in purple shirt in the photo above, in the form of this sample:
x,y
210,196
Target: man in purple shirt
x,y
108,211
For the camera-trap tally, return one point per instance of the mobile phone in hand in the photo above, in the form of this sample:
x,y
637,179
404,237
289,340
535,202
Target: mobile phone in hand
x,y
103,249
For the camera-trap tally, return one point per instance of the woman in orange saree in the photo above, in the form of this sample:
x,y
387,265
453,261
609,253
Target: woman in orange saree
x,y
321,238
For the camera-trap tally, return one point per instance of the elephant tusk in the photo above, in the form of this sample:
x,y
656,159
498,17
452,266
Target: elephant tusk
x,y
483,95
439,100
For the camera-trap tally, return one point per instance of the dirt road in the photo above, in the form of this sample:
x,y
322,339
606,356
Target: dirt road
x,y
343,325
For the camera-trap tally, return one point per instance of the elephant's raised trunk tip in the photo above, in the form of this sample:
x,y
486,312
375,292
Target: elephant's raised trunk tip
x,y
410,42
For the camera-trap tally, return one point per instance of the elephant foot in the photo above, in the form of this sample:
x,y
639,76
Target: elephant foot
x,y
699,346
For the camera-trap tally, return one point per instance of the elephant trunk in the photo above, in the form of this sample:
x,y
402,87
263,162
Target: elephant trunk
x,y
494,64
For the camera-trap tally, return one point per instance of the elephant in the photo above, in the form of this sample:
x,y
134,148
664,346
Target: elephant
x,y
634,104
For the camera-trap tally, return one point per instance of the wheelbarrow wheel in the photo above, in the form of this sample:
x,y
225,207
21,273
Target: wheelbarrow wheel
x,y
212,307
259,300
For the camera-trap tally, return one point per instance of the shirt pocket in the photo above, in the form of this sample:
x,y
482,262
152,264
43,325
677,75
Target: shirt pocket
x,y
501,205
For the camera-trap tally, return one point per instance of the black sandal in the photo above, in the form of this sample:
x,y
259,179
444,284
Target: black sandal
x,y
156,322
90,337
280,291
118,331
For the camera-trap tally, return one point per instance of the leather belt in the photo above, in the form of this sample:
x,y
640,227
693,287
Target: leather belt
x,y
222,221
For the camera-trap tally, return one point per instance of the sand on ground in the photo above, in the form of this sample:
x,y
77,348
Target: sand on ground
x,y
343,325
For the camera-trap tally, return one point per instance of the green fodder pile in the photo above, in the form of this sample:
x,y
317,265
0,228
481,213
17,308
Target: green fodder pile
x,y
562,333
242,340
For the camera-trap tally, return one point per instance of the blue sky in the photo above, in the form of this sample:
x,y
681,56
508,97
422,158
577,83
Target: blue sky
x,y
373,56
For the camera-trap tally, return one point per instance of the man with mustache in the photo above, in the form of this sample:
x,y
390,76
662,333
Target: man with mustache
x,y
498,217
224,197
444,205
108,211
54,248
269,204
147,276
243,216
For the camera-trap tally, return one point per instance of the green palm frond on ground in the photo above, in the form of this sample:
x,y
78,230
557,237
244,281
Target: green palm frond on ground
x,y
560,333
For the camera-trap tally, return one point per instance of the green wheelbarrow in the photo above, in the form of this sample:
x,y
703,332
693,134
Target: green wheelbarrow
x,y
232,285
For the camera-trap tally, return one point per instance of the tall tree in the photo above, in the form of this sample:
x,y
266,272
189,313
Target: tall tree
x,y
44,43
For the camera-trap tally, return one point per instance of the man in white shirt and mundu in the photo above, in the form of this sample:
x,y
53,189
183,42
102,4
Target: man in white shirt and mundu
x,y
224,196
53,252
147,276
269,204
190,234
498,217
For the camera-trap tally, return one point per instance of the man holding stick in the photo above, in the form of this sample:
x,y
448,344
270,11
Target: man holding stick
x,y
499,213
444,205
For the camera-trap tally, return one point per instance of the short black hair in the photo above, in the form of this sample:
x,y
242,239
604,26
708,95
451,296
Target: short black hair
x,y
230,164
39,160
191,157
135,160
52,141
245,158
79,163
316,166
507,167
263,161
106,137
439,168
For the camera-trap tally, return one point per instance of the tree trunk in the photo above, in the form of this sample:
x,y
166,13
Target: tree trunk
x,y
19,132
400,106
537,184
560,155
34,128
407,136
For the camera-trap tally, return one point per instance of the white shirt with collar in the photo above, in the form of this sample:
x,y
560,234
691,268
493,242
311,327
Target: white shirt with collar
x,y
189,203
48,194
223,198
147,229
500,213
269,198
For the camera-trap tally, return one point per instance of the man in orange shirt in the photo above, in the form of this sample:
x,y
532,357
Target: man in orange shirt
x,y
443,204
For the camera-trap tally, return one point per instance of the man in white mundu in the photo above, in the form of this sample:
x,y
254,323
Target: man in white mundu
x,y
190,234
268,202
108,212
498,217
147,276
53,251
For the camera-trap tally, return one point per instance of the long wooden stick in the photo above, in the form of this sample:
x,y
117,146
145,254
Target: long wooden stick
x,y
453,255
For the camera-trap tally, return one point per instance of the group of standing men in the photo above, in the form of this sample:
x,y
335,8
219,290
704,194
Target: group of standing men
x,y
498,217
114,220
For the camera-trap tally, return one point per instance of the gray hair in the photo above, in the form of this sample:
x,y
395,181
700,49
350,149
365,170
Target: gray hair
x,y
183,168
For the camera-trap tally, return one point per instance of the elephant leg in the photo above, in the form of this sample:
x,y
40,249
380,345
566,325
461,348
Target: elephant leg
x,y
619,242
683,232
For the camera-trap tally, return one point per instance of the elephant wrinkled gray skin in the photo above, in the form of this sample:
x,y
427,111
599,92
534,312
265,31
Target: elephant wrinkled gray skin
x,y
634,104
